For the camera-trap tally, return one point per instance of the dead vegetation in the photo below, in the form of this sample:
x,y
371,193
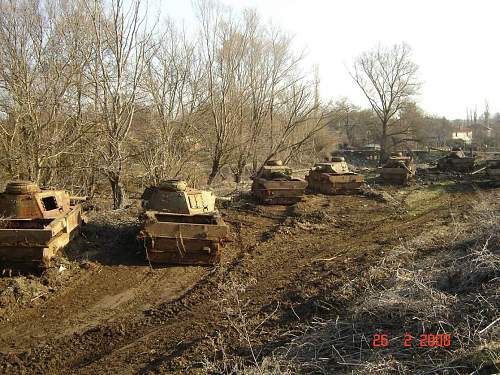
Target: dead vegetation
x,y
23,291
438,282
99,101
444,281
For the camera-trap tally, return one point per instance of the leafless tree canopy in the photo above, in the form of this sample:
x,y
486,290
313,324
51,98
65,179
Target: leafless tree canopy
x,y
388,79
93,97
99,96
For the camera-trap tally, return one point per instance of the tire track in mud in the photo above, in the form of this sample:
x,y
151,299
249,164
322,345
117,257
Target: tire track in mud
x,y
165,361
84,342
171,333
160,317
140,344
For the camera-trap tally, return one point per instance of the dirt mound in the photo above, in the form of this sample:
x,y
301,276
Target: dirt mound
x,y
301,217
109,237
308,220
26,291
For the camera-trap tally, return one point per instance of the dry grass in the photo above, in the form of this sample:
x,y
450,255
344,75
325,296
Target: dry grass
x,y
444,281
437,283
232,305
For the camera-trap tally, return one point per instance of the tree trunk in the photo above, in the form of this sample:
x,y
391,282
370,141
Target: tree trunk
x,y
118,191
240,169
383,145
214,172
237,177
350,136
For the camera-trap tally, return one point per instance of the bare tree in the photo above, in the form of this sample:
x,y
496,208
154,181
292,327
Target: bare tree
x,y
121,41
296,118
282,115
173,83
43,57
257,65
224,39
348,122
272,68
388,79
89,97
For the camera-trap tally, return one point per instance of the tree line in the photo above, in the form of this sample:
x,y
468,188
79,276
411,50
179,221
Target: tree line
x,y
95,91
389,79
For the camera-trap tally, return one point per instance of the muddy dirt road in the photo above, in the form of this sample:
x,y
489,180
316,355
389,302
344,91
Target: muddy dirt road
x,y
112,314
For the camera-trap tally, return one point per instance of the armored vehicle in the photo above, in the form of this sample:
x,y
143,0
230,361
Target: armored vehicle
x,y
457,161
398,169
35,224
274,184
180,225
333,178
493,169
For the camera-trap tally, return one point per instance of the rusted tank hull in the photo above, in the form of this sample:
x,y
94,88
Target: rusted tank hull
x,y
458,165
334,184
279,192
30,244
181,239
396,175
493,173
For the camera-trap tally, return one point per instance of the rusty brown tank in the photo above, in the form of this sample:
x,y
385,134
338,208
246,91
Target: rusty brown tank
x,y
398,169
334,178
457,161
180,225
275,185
35,225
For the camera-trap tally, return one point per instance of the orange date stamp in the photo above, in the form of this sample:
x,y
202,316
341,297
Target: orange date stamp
x,y
423,340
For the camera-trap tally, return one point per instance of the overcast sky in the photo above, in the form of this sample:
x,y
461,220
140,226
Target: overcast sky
x,y
455,43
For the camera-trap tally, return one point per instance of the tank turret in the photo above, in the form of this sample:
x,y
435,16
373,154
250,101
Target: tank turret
x,y
398,169
275,184
457,161
174,196
25,200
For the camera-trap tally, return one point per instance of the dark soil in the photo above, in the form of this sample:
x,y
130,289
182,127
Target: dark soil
x,y
113,314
